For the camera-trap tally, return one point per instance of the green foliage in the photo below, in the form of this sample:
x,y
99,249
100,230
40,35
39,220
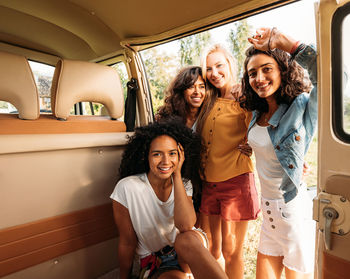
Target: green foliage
x,y
191,48
44,86
238,42
160,68
347,114
3,104
347,105
123,75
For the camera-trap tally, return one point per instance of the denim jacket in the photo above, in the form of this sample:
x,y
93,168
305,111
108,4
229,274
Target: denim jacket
x,y
292,128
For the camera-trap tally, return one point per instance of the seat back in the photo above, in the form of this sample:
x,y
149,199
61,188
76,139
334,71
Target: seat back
x,y
17,85
78,81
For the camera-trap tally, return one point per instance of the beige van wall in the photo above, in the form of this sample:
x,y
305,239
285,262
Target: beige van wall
x,y
91,262
41,184
54,177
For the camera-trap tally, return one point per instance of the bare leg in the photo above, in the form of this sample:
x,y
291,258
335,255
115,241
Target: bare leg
x,y
268,267
291,274
190,249
204,225
233,234
215,228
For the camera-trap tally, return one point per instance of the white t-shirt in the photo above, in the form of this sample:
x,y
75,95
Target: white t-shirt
x,y
269,168
152,219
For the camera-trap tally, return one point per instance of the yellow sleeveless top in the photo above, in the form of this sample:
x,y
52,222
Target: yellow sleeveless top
x,y
224,129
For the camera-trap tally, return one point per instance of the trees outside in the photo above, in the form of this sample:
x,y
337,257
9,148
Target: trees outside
x,y
191,48
162,63
43,82
123,75
238,42
346,102
160,68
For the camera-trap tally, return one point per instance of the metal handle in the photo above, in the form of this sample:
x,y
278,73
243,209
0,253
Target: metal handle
x,y
330,214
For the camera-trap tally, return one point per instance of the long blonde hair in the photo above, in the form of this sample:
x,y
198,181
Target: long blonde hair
x,y
212,92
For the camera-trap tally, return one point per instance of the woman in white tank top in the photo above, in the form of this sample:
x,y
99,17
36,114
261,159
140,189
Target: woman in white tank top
x,y
284,121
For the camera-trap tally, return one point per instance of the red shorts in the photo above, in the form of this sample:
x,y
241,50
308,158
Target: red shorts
x,y
235,199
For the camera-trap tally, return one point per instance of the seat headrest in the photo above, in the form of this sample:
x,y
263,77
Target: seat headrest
x,y
17,85
79,81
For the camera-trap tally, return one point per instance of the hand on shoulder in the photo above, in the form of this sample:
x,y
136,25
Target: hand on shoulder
x,y
236,91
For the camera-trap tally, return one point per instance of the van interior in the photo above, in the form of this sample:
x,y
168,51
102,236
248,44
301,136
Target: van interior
x,y
63,132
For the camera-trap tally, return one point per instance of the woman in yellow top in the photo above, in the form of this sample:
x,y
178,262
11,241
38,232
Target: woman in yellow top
x,y
229,195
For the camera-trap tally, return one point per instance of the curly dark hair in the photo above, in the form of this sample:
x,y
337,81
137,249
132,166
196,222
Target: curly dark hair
x,y
174,103
293,82
135,156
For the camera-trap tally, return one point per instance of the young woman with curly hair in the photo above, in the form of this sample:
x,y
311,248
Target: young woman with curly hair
x,y
283,124
229,195
153,207
184,96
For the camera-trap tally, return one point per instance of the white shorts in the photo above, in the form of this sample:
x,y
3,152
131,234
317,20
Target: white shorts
x,y
289,231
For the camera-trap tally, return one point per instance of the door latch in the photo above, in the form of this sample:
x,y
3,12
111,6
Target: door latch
x,y
330,214
333,214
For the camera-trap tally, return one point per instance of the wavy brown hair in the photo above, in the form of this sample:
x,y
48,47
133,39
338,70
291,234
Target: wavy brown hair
x,y
293,81
174,103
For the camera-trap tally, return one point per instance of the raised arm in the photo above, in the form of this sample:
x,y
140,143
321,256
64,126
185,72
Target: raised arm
x,y
269,39
127,239
184,215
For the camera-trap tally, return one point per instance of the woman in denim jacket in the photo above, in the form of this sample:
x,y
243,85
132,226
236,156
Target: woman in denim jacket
x,y
282,127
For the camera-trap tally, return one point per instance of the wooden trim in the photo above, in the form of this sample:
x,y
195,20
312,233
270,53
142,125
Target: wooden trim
x,y
334,267
33,243
48,124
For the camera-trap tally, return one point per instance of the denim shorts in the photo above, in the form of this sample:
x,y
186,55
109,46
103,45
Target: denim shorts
x,y
152,266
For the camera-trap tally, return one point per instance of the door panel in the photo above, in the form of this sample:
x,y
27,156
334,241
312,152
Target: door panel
x,y
80,264
55,208
334,151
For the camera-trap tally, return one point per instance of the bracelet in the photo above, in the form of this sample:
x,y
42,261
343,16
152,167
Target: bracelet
x,y
271,33
299,48
294,48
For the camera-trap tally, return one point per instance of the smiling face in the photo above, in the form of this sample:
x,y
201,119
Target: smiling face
x,y
218,70
194,95
162,158
264,75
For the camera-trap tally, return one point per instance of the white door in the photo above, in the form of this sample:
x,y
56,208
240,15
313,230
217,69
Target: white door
x,y
332,207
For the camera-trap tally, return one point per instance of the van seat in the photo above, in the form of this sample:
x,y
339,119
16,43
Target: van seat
x,y
79,81
17,85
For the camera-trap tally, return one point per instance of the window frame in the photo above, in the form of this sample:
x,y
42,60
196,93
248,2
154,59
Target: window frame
x,y
337,73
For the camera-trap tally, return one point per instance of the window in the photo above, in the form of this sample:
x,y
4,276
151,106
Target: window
x,y
6,107
341,73
162,62
43,75
346,76
123,75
